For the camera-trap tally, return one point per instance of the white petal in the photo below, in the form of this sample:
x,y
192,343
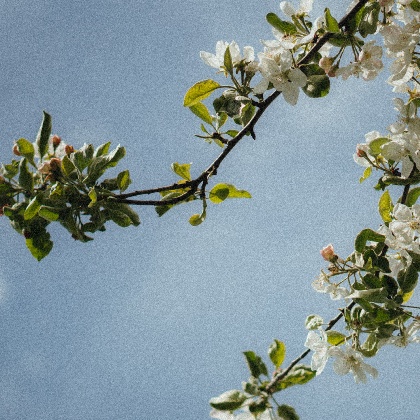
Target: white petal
x,y
287,8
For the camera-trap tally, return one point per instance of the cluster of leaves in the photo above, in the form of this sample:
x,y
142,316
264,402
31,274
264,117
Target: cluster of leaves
x,y
255,395
43,187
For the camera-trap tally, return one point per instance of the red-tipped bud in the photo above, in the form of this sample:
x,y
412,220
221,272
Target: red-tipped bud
x,y
16,150
68,149
56,140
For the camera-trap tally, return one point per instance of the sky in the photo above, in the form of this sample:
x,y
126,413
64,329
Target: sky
x,y
151,322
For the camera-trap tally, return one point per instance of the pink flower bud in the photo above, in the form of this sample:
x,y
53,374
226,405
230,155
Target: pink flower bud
x,y
328,253
55,140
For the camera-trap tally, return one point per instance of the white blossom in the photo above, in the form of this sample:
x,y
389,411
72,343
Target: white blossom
x,y
217,60
304,8
350,360
278,70
322,284
317,342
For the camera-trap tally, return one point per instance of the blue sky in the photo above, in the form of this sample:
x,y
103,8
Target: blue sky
x,y
151,322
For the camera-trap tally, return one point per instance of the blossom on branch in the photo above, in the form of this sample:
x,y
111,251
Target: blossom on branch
x,y
277,70
350,360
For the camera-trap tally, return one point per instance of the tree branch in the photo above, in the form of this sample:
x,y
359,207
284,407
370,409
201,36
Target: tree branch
x,y
249,128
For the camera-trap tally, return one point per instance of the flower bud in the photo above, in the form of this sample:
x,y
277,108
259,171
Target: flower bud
x,y
16,150
328,253
68,149
326,63
55,140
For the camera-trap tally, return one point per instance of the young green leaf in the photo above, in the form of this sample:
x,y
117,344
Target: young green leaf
x,y
227,61
49,213
228,401
385,207
123,180
335,338
43,136
26,149
277,352
198,92
284,27
202,112
183,170
67,166
375,145
32,210
412,196
366,174
222,191
286,412
331,22
255,364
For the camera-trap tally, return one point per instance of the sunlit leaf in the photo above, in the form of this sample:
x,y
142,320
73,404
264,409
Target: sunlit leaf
x,y
198,92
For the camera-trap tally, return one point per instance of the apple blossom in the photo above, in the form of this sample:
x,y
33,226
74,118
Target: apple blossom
x,y
350,360
317,341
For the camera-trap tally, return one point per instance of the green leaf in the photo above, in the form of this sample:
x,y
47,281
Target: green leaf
x,y
229,400
222,191
375,145
38,239
286,412
313,322
367,235
415,5
318,83
317,86
370,347
25,179
366,174
26,149
371,281
378,295
247,112
335,338
258,406
67,166
32,209
255,364
202,112
123,180
198,92
197,219
299,375
385,207
120,212
340,40
227,61
93,197
369,21
102,149
277,352
183,170
49,213
407,278
43,136
331,22
284,27
412,196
